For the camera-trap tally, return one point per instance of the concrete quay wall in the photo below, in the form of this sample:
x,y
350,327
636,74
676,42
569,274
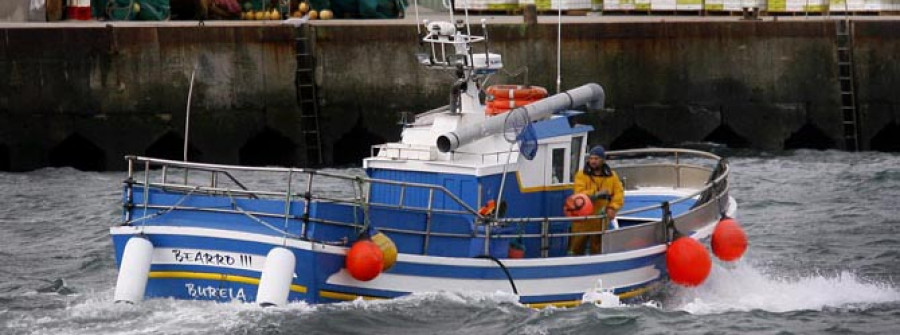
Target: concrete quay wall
x,y
87,95
754,84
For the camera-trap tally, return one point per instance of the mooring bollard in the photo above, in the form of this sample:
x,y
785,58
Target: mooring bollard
x,y
530,14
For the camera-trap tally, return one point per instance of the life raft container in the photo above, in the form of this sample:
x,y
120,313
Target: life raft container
x,y
502,98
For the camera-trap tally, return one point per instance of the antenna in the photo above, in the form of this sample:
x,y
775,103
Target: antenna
x,y
487,58
558,48
187,116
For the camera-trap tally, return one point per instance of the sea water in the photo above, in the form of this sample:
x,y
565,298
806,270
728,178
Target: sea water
x,y
824,257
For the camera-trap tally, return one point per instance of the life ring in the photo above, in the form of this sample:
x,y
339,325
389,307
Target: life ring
x,y
516,92
508,104
491,111
488,208
495,110
502,98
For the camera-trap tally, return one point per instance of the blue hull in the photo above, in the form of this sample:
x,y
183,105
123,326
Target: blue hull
x,y
187,266
211,242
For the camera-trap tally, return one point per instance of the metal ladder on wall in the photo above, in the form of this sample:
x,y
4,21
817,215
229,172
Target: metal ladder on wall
x,y
307,98
847,81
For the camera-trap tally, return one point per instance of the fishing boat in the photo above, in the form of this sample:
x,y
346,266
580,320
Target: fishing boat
x,y
469,199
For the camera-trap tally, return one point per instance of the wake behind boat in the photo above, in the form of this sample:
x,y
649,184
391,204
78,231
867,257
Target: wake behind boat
x,y
470,199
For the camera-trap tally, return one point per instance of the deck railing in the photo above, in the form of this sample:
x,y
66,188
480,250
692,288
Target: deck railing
x,y
706,174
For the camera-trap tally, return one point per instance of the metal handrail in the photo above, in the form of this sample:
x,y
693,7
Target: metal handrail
x,y
427,150
310,172
480,220
624,152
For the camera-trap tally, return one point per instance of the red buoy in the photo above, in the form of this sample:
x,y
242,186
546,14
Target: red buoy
x,y
729,242
578,205
364,260
688,262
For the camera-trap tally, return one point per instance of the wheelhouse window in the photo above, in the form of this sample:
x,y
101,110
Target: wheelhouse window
x,y
558,162
575,157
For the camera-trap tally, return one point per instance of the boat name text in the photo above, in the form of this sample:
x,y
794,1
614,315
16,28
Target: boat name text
x,y
208,291
211,258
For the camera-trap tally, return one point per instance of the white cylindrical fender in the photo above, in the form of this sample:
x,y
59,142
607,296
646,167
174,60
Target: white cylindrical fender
x,y
134,271
277,275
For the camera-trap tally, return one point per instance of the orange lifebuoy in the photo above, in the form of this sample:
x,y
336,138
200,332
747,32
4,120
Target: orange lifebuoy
x,y
508,104
488,208
517,92
491,111
502,98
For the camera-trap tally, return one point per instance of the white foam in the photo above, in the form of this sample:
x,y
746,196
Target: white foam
x,y
601,297
745,288
99,315
418,299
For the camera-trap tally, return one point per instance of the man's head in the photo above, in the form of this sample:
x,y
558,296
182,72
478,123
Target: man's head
x,y
596,157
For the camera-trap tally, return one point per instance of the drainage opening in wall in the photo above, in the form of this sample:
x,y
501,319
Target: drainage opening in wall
x,y
888,139
809,137
78,152
355,145
269,148
725,135
635,137
4,158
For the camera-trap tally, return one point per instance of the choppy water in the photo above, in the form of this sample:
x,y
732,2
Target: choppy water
x,y
824,229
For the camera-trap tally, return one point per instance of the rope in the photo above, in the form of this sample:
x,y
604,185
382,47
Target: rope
x,y
163,211
364,204
254,218
505,270
672,232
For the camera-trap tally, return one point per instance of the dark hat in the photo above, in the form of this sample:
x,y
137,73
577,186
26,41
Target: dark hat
x,y
598,151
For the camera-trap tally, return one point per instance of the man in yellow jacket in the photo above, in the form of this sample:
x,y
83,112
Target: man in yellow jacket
x,y
599,182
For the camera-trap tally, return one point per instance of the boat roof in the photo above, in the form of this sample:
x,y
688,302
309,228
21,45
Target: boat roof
x,y
560,125
485,156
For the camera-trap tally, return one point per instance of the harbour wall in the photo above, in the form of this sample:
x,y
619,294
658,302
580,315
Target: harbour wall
x,y
87,96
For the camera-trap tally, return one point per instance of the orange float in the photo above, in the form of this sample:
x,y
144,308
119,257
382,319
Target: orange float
x,y
488,208
729,242
364,260
688,262
388,250
578,205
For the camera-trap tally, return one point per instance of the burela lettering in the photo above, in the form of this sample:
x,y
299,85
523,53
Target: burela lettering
x,y
212,292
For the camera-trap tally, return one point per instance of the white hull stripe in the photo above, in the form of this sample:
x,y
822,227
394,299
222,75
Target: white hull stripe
x,y
203,257
406,258
526,287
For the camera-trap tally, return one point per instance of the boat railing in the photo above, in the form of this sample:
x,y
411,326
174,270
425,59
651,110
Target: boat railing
x,y
678,168
183,180
424,153
675,168
707,180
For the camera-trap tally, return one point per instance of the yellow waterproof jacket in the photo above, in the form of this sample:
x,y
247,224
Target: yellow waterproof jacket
x,y
589,185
